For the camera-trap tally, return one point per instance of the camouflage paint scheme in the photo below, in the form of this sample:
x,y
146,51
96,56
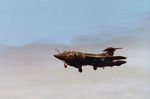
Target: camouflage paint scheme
x,y
78,59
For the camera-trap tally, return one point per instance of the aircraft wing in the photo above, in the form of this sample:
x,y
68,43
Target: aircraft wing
x,y
102,61
117,57
102,58
94,57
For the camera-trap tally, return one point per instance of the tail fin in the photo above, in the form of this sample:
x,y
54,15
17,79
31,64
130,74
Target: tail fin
x,y
110,51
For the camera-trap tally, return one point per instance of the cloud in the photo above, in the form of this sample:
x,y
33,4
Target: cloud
x,y
106,35
116,32
31,71
143,29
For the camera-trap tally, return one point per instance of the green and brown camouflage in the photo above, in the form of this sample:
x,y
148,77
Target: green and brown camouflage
x,y
78,59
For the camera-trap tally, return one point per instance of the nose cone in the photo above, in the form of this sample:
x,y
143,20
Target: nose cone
x,y
58,56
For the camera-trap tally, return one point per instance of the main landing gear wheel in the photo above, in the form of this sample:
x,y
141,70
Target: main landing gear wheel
x,y
94,67
80,70
65,65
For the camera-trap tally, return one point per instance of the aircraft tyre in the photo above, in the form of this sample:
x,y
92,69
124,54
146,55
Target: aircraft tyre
x,y
80,70
94,67
65,65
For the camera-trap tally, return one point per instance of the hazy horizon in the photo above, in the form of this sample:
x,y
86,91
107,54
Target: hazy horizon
x,y
31,71
30,30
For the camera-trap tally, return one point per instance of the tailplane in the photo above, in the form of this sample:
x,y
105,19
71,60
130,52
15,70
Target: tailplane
x,y
110,51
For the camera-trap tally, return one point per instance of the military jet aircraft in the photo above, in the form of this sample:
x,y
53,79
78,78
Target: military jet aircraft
x,y
79,59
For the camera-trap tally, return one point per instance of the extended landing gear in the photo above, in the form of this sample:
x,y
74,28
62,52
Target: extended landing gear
x,y
94,67
80,69
65,65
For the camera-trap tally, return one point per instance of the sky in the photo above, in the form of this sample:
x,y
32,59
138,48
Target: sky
x,y
33,73
61,21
